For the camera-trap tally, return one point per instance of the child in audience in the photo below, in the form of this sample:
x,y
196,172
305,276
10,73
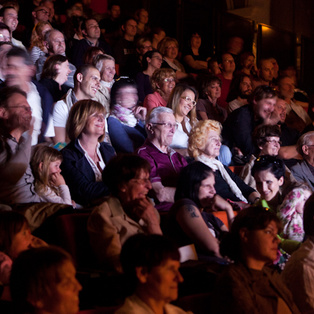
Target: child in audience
x,y
49,182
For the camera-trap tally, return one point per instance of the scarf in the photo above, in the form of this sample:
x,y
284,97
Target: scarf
x,y
217,165
124,115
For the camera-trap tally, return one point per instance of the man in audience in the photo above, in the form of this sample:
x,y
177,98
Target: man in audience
x,y
304,171
297,117
124,50
91,32
19,72
299,270
265,71
165,162
55,44
238,128
9,16
227,67
86,85
16,177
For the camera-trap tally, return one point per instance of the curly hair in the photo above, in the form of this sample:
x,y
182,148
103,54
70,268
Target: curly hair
x,y
199,135
158,77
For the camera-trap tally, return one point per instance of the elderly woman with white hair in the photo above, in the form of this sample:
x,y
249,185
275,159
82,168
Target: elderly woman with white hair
x,y
165,162
204,146
304,171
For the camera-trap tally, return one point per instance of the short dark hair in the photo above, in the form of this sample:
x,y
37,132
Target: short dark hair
x,y
121,169
262,92
4,8
190,179
49,70
261,133
83,69
35,274
207,81
147,251
148,54
20,53
266,162
308,216
7,92
234,91
5,26
120,83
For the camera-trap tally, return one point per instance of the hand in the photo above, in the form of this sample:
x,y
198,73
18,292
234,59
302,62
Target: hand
x,y
140,113
273,118
220,203
57,179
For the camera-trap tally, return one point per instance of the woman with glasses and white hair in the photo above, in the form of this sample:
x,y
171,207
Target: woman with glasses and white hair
x,y
166,164
183,101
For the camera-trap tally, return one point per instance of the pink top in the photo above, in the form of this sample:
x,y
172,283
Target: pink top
x,y
154,100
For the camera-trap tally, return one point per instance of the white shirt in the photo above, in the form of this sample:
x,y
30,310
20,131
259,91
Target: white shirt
x,y
180,138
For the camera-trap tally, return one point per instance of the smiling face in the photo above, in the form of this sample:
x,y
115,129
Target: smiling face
x,y
213,144
95,125
207,191
10,18
63,72
185,105
245,87
271,147
162,133
167,85
92,30
196,41
89,83
108,70
264,107
214,90
171,50
281,109
56,43
267,184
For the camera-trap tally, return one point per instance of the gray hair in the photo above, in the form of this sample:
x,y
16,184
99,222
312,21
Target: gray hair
x,y
98,61
154,114
49,33
305,139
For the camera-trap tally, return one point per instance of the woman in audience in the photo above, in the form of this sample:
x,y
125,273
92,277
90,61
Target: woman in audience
x,y
268,172
207,107
151,61
182,101
37,44
248,285
105,64
43,281
15,237
247,64
126,212
54,75
90,53
204,146
267,139
85,157
126,123
163,81
141,17
151,265
190,218
169,48
193,58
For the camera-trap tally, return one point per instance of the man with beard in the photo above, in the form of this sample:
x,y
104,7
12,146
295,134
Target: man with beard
x,y
240,90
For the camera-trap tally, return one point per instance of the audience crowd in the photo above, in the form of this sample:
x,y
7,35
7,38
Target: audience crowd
x,y
163,152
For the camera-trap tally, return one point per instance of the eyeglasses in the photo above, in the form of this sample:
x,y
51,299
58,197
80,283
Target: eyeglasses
x,y
168,125
189,100
169,80
25,108
43,10
274,142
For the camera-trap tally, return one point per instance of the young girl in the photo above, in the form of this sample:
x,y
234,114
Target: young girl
x,y
49,182
15,237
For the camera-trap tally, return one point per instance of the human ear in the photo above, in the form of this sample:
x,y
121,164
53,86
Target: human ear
x,y
281,181
141,274
305,149
244,235
3,113
79,77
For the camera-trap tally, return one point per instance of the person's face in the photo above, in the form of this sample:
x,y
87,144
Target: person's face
x,y
130,28
267,184
281,109
127,97
57,43
50,6
168,84
147,46
213,144
42,14
143,17
196,41
162,133
308,150
171,50
108,71
5,35
262,245
137,188
65,299
286,87
264,107
207,191
186,103
63,71
18,114
90,83
21,241
92,29
248,62
54,167
271,147
214,90
95,124
245,87
266,71
163,281
115,11
17,72
10,18
155,61
227,64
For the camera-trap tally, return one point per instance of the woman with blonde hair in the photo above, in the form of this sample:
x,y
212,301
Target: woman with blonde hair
x,y
85,157
37,46
163,81
204,146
